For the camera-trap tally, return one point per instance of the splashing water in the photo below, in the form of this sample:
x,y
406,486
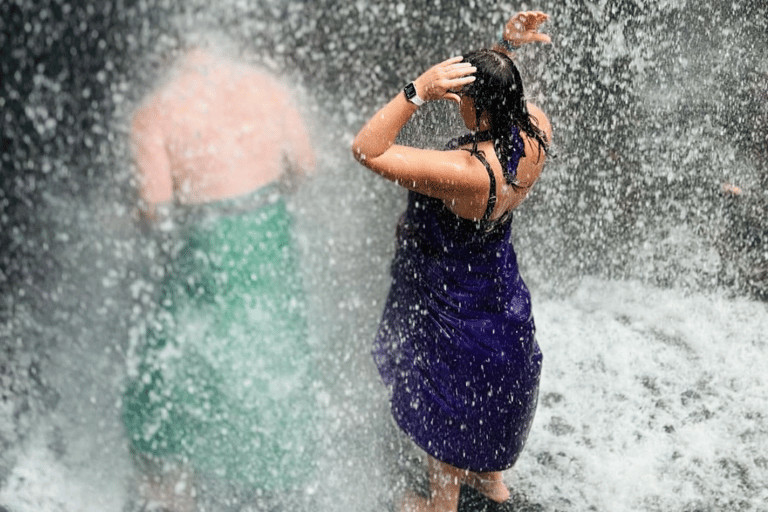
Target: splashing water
x,y
649,283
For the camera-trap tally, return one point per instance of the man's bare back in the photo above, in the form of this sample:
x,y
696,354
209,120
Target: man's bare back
x,y
217,129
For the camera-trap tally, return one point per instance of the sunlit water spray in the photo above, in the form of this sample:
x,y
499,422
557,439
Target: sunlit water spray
x,y
653,332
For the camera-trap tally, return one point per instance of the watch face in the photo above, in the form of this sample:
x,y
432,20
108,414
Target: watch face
x,y
410,91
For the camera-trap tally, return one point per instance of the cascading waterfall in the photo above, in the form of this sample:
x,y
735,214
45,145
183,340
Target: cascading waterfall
x,y
649,274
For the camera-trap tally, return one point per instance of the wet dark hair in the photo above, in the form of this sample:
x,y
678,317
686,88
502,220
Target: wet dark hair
x,y
498,90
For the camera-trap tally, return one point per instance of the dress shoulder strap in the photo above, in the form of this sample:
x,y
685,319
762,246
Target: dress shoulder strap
x,y
492,193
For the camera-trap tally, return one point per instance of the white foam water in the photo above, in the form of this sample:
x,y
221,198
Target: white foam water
x,y
650,400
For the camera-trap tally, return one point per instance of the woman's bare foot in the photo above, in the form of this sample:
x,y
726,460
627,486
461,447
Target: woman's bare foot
x,y
491,485
444,484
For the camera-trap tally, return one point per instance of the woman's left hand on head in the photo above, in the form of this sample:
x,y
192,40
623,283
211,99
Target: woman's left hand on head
x,y
438,82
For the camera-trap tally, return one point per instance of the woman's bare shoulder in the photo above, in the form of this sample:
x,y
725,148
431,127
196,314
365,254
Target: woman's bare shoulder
x,y
541,120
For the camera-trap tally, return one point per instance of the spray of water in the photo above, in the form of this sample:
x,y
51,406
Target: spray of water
x,y
649,277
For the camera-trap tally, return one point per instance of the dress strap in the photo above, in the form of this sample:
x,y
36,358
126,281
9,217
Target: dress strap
x,y
492,193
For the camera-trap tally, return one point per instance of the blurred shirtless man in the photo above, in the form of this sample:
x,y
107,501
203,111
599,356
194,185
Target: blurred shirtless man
x,y
219,384
218,129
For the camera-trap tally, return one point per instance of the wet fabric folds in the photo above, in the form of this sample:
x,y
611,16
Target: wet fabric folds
x,y
456,343
222,378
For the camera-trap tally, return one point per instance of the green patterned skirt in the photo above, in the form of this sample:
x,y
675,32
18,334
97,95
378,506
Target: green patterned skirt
x,y
222,379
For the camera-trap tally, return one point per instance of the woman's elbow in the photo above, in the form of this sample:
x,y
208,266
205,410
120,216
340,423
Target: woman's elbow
x,y
359,152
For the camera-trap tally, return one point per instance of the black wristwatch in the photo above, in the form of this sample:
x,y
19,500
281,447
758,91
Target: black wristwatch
x,y
412,96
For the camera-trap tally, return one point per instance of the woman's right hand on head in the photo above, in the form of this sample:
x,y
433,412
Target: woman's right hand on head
x,y
523,28
438,82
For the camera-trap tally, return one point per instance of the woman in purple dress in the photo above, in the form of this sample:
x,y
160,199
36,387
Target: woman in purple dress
x,y
456,342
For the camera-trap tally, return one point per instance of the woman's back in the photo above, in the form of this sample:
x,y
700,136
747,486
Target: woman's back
x,y
456,343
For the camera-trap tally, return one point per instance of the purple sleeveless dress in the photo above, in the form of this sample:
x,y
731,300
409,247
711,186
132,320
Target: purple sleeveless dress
x,y
456,343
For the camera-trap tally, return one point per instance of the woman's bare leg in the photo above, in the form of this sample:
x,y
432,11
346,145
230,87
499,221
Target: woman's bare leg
x,y
444,484
490,484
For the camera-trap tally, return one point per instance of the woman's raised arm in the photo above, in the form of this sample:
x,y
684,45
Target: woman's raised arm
x,y
434,173
379,134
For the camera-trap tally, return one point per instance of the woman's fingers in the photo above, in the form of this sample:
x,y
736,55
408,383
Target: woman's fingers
x,y
453,60
452,69
455,67
523,27
461,70
532,19
456,84
464,80
540,38
452,73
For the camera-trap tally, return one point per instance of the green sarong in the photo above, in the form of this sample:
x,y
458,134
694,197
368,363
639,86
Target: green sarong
x,y
221,381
